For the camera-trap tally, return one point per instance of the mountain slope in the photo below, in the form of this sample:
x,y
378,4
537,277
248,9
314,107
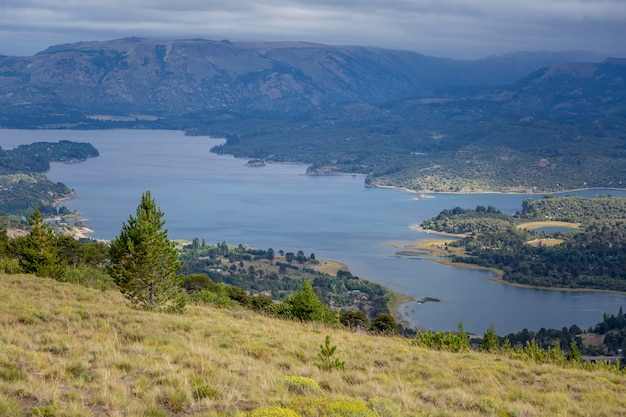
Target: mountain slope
x,y
142,76
520,122
68,350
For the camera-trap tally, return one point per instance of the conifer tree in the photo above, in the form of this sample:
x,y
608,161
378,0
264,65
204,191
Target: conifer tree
x,y
306,306
38,255
491,341
144,262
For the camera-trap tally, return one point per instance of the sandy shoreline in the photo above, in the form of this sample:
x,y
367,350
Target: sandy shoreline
x,y
433,248
433,194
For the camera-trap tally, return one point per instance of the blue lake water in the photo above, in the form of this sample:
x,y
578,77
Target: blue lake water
x,y
218,198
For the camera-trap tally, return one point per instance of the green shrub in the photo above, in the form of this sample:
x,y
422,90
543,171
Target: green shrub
x,y
324,407
491,341
327,361
383,407
10,265
215,298
457,342
301,385
88,277
273,412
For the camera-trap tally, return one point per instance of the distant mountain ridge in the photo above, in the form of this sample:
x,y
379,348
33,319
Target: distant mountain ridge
x,y
525,121
145,76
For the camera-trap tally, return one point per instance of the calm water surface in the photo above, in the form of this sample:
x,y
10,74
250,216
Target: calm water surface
x,y
217,198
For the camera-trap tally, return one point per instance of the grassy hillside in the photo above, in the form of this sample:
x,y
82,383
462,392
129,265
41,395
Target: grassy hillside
x,y
66,350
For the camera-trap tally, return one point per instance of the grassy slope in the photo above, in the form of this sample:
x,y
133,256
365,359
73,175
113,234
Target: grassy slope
x,y
70,351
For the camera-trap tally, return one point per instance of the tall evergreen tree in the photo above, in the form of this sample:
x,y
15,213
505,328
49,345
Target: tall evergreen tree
x,y
491,341
38,254
144,262
306,306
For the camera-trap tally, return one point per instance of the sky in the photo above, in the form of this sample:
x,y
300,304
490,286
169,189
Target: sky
x,y
462,29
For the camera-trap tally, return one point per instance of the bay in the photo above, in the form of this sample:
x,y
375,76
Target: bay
x,y
218,198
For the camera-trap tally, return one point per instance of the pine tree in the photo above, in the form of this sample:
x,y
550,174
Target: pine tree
x,y
306,306
491,341
144,262
38,255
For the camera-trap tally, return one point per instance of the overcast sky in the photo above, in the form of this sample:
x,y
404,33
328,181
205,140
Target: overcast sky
x,y
453,28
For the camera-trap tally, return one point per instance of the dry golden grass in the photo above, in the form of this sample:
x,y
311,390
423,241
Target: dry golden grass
x,y
537,225
70,351
437,247
330,267
545,242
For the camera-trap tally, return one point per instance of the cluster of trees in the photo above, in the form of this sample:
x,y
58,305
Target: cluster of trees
x,y
590,258
37,156
303,305
473,222
45,254
278,274
480,144
574,209
23,186
146,266
20,194
614,330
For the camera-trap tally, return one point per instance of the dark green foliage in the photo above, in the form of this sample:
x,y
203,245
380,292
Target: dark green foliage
x,y
255,271
4,242
144,262
194,283
327,360
21,193
574,209
36,157
384,323
573,355
306,306
38,253
491,341
454,342
592,258
354,319
22,182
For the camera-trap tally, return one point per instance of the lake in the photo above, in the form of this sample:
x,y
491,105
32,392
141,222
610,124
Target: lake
x,y
218,198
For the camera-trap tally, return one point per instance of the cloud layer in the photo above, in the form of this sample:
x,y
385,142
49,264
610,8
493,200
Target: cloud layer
x,y
455,28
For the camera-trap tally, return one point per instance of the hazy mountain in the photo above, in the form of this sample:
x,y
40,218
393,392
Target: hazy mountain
x,y
522,121
141,76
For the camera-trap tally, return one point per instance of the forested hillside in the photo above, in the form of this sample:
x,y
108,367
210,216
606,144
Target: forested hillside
x,y
23,184
592,257
531,122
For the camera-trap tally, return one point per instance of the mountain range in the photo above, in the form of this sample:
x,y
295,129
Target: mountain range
x,y
523,121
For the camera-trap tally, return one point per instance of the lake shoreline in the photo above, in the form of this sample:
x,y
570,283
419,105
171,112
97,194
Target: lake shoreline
x,y
433,194
217,198
498,275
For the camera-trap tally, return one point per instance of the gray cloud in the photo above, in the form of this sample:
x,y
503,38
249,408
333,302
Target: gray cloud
x,y
456,28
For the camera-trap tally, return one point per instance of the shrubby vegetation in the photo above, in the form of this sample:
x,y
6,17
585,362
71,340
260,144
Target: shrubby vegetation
x,y
61,257
135,268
